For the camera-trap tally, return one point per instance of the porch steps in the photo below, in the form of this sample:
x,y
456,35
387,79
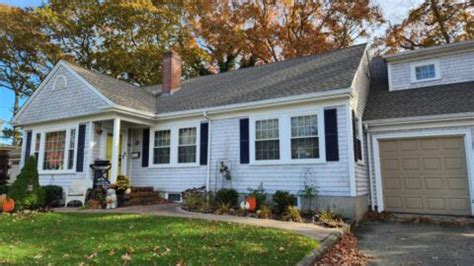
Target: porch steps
x,y
144,196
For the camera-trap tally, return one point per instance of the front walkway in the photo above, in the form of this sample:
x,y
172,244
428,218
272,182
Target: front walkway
x,y
173,210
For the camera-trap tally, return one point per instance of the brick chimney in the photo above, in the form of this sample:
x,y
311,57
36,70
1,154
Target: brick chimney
x,y
171,73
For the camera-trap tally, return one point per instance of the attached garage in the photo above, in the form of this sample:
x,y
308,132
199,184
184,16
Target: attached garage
x,y
426,175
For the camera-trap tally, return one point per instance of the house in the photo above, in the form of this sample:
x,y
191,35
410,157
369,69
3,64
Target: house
x,y
335,120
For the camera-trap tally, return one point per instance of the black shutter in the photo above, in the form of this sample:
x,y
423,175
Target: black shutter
x,y
145,147
28,145
244,141
81,142
204,143
330,127
357,142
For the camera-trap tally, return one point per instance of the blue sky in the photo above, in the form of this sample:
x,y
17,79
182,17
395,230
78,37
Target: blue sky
x,y
394,11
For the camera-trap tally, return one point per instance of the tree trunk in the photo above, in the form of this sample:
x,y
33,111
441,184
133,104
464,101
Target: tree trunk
x,y
16,108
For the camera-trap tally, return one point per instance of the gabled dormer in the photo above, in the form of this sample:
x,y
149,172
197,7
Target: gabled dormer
x,y
446,64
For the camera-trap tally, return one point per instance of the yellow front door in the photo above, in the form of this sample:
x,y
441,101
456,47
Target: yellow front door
x,y
108,151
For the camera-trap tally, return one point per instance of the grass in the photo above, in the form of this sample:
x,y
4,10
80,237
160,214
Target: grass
x,y
60,238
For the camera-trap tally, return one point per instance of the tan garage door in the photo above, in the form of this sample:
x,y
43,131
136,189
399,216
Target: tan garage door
x,y
425,175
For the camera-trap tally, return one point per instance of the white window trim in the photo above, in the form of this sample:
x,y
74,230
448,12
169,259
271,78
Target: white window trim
x,y
284,124
174,146
413,67
66,153
154,147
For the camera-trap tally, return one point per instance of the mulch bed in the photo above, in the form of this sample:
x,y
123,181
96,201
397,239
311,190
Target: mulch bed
x,y
344,252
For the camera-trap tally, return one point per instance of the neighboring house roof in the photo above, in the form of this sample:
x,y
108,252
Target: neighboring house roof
x,y
434,100
117,91
316,73
302,75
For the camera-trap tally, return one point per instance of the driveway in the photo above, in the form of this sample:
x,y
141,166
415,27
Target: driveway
x,y
391,243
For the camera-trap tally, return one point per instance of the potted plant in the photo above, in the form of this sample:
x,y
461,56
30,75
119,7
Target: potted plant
x,y
122,188
96,198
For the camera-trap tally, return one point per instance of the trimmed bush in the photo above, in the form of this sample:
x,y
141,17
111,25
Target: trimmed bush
x,y
53,195
282,200
4,189
197,201
26,190
227,196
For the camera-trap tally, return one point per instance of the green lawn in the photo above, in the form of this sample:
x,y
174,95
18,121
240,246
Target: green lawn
x,y
60,238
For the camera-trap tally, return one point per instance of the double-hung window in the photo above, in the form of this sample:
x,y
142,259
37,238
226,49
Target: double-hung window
x,y
162,147
54,146
187,146
304,137
37,145
71,148
267,141
58,150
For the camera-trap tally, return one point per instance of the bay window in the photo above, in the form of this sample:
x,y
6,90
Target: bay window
x,y
162,147
304,137
267,143
187,145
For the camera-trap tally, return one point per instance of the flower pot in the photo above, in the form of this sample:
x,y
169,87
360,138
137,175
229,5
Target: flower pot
x,y
8,205
252,203
94,204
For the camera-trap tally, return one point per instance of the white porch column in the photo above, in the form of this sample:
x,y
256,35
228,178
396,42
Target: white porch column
x,y
115,151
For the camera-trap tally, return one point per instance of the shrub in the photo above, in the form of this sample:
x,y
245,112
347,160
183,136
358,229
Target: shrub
x,y
259,194
122,183
197,201
4,189
282,200
26,190
223,209
227,196
53,195
292,214
264,212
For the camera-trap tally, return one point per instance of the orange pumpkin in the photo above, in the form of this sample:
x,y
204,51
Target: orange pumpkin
x,y
8,205
252,203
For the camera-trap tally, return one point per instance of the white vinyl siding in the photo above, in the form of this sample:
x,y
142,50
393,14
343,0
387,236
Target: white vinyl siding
x,y
332,177
453,68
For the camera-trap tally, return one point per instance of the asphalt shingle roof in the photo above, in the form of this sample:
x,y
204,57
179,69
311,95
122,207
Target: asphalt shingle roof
x,y
434,100
316,73
119,92
309,74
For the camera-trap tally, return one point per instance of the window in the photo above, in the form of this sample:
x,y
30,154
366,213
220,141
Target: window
x,y
72,141
37,145
425,72
162,148
54,147
357,128
187,145
304,137
267,143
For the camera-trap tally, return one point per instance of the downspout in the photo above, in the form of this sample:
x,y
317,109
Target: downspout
x,y
208,176
369,161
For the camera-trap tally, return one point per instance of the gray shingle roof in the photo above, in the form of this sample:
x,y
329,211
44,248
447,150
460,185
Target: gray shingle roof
x,y
302,75
435,100
309,74
119,92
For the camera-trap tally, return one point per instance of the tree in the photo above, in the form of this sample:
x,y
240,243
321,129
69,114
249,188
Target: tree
x,y
26,54
268,31
26,190
432,23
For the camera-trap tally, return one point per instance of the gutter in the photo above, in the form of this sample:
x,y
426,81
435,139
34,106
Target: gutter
x,y
209,138
328,95
420,119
